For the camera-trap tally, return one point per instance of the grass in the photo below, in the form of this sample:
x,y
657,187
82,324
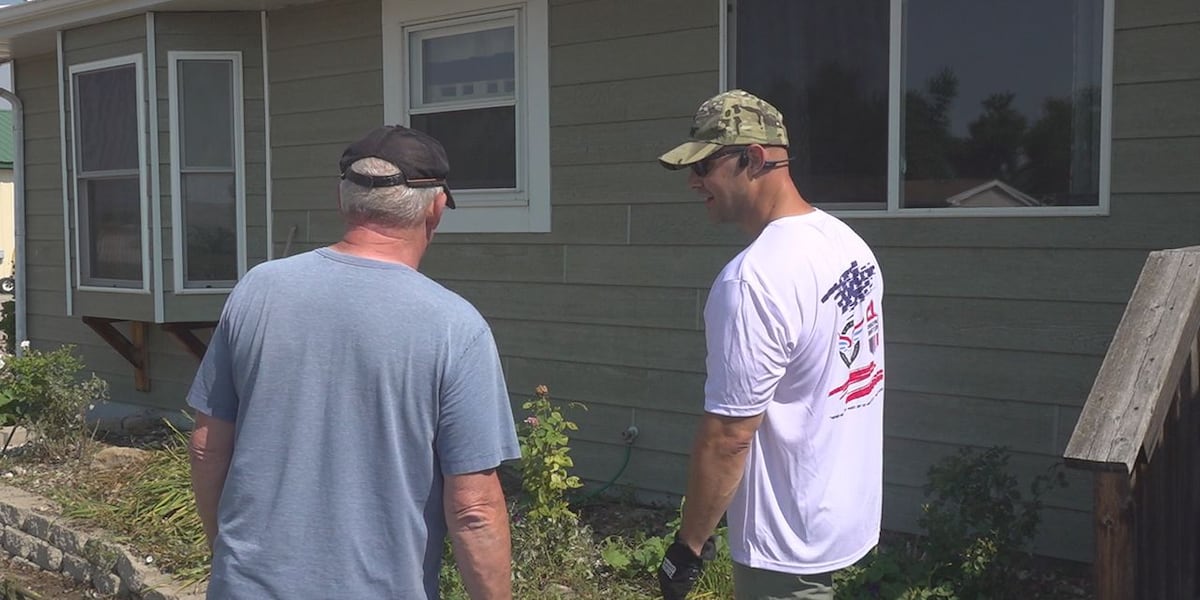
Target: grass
x,y
147,505
150,507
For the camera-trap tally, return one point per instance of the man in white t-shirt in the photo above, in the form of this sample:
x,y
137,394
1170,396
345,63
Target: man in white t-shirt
x,y
790,446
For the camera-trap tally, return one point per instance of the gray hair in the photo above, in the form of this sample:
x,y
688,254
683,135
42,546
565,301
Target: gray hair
x,y
397,206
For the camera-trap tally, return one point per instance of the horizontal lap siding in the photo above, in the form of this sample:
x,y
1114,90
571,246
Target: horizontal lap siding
x,y
326,91
996,327
602,319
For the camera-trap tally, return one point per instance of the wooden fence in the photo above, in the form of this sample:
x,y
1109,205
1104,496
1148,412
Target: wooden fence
x,y
1140,434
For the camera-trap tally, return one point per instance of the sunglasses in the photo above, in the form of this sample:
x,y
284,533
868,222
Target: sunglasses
x,y
702,168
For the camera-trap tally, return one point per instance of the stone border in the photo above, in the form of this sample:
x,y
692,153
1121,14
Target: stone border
x,y
56,544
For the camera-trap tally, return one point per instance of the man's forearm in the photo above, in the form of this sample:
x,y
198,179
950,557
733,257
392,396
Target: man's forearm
x,y
713,477
210,450
483,551
207,482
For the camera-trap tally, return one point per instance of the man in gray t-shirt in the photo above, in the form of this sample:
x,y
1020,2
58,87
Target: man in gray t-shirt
x,y
351,412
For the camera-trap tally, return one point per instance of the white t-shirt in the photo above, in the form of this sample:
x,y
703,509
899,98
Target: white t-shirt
x,y
794,326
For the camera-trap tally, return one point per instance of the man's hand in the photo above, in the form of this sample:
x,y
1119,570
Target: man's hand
x,y
681,568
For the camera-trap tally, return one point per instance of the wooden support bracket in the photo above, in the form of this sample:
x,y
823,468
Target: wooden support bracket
x,y
132,350
183,333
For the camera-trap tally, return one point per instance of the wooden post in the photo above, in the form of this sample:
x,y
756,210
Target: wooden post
x,y
141,373
1114,564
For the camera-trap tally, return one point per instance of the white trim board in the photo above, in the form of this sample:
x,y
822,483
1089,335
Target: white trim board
x,y
155,177
66,189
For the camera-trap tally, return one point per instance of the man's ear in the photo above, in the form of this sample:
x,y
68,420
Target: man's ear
x,y
756,155
434,212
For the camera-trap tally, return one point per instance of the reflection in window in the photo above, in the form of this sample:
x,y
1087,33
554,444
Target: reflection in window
x,y
1001,103
824,65
108,173
463,82
114,238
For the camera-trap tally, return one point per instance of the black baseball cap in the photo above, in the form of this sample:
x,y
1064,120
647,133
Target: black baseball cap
x,y
421,159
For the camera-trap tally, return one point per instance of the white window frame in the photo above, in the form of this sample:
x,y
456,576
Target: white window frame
x,y
484,211
896,52
177,170
99,284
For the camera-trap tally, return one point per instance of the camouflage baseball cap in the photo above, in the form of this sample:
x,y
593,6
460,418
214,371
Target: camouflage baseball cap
x,y
730,118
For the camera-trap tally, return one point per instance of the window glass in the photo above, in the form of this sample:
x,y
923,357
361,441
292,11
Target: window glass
x,y
479,144
106,107
824,65
114,233
463,79
1001,103
465,66
206,112
210,223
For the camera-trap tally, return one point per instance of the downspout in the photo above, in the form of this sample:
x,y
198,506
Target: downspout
x,y
18,124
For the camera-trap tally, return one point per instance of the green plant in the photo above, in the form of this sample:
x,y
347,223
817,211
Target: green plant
x,y
149,503
978,526
978,522
545,459
641,557
8,325
46,392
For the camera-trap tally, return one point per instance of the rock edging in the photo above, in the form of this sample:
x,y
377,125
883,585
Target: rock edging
x,y
56,544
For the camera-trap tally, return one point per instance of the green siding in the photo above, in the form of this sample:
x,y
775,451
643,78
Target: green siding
x,y
326,91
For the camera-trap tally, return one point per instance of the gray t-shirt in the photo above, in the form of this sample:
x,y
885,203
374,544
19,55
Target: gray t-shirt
x,y
355,386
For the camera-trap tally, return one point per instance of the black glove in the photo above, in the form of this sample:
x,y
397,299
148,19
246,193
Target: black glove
x,y
681,568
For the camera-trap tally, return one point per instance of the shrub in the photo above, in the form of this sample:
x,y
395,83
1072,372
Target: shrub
x,y
545,459
8,325
978,527
45,392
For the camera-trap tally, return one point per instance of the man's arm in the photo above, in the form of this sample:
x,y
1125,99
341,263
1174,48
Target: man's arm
x,y
717,462
477,518
211,449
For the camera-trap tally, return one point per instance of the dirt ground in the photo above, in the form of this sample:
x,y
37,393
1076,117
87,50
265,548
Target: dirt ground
x,y
28,583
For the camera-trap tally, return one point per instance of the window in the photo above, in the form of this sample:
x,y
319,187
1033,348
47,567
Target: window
x,y
935,106
108,157
462,91
478,82
207,178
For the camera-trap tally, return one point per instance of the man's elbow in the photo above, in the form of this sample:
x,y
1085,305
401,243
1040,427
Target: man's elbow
x,y
478,516
207,447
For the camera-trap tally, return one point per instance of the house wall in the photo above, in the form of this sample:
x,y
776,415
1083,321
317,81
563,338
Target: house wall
x,y
36,80
171,369
326,64
995,329
996,326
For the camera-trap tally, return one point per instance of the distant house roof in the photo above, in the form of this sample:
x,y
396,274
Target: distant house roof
x,y
6,140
